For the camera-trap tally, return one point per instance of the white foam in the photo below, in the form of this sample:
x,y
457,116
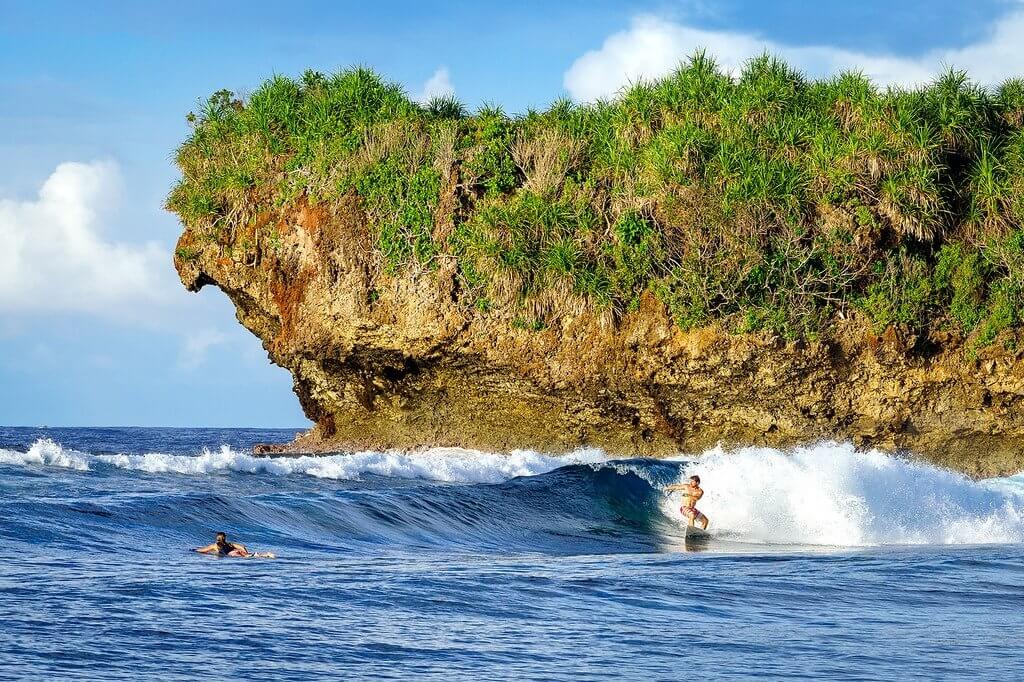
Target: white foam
x,y
47,453
455,465
832,494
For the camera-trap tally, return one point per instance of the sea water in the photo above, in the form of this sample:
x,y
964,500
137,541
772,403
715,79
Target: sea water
x,y
824,562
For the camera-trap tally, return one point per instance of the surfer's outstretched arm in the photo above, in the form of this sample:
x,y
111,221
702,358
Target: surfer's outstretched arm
x,y
209,549
675,486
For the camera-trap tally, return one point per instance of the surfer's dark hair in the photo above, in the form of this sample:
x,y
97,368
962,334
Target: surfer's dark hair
x,y
222,534
696,478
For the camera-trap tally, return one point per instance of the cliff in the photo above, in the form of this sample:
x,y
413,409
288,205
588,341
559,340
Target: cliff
x,y
609,275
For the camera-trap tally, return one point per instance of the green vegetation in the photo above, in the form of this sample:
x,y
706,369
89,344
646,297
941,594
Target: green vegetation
x,y
761,201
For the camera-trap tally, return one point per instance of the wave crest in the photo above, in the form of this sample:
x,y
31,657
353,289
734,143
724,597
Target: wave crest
x,y
46,452
455,465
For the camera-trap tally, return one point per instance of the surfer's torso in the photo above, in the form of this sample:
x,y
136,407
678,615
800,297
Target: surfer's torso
x,y
691,494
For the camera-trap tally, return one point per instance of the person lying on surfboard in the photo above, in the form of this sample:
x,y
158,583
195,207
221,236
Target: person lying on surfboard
x,y
691,493
221,547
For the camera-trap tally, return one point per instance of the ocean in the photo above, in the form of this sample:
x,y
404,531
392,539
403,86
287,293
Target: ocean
x,y
824,562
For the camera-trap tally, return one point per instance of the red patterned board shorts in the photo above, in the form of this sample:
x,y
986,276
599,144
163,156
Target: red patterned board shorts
x,y
692,512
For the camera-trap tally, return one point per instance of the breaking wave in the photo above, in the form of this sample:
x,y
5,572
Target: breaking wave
x,y
454,465
833,494
828,494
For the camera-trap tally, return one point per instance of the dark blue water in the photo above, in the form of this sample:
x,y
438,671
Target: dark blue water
x,y
399,568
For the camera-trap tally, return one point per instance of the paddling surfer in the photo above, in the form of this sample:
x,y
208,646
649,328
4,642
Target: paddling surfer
x,y
691,493
221,547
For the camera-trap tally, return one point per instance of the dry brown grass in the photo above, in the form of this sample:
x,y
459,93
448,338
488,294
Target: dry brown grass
x,y
402,139
545,158
444,143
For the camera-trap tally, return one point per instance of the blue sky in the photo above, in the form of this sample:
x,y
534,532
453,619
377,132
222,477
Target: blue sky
x,y
95,330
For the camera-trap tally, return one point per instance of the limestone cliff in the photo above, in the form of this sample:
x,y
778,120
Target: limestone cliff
x,y
404,360
757,257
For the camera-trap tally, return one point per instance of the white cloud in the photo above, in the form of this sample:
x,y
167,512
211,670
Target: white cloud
x,y
196,347
55,258
653,47
438,85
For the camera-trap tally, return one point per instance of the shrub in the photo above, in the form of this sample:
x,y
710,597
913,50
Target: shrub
x,y
765,201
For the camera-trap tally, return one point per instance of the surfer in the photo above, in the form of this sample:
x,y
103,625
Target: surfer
x,y
221,547
691,493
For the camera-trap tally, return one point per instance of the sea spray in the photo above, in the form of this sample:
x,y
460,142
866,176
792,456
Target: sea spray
x,y
46,452
833,494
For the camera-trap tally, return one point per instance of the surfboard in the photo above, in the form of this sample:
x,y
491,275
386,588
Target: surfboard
x,y
254,555
695,533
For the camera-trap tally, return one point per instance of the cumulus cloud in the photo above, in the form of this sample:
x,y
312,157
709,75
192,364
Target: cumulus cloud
x,y
438,85
197,346
54,256
652,47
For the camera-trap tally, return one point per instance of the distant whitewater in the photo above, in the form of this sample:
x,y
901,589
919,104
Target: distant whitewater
x,y
438,464
827,494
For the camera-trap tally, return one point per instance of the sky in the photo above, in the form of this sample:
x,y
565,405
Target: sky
x,y
96,330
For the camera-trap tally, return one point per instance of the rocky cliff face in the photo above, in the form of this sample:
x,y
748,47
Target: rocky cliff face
x,y
402,360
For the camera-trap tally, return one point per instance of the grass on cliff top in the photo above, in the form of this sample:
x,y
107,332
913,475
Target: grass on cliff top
x,y
764,200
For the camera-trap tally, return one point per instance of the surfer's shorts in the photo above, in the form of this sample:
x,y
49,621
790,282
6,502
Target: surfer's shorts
x,y
692,512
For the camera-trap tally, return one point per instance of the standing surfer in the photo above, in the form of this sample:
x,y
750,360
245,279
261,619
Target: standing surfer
x,y
691,493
